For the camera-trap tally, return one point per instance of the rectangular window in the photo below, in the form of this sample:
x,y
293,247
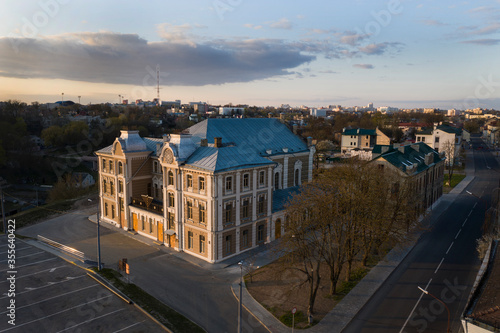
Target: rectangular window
x,y
436,140
228,212
171,202
246,180
202,213
111,188
260,233
261,205
106,209
110,166
103,164
171,223
189,181
244,239
150,226
202,244
201,183
120,168
244,209
190,239
189,210
155,167
143,222
228,244
112,211
229,184
423,139
262,177
170,178
120,186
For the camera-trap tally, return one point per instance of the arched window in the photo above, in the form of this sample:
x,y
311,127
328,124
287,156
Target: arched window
x,y
170,178
276,180
120,168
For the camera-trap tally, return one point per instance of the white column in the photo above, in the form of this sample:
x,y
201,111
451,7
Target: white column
x,y
254,195
238,204
219,202
210,218
285,172
312,150
269,202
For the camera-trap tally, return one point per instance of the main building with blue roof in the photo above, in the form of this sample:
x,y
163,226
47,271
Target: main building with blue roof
x,y
214,191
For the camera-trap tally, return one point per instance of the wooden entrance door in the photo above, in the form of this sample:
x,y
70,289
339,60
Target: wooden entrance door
x,y
134,221
160,232
277,229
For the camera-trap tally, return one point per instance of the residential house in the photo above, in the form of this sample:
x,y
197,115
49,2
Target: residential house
x,y
440,137
360,139
419,164
214,191
81,179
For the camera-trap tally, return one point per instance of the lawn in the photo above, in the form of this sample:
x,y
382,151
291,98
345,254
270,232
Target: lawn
x,y
455,180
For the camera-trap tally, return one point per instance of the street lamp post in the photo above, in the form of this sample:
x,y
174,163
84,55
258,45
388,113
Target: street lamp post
x,y
98,238
447,309
241,292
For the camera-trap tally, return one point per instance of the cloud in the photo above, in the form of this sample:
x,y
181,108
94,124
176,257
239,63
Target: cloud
x,y
433,23
252,26
363,66
489,29
284,23
380,48
108,57
351,38
486,41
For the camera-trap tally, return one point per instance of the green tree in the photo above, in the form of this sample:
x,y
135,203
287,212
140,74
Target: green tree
x,y
53,136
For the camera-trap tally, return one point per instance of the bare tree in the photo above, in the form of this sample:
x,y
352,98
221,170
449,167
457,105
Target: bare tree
x,y
451,153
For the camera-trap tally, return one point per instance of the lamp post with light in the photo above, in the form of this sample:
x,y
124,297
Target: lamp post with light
x,y
447,309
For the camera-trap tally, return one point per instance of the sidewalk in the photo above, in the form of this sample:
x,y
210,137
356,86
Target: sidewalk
x,y
337,319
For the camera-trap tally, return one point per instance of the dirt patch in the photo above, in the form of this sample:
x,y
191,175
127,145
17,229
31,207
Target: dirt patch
x,y
280,292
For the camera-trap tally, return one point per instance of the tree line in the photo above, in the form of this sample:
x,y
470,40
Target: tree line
x,y
344,215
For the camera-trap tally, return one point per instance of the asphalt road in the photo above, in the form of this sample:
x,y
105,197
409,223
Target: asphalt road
x,y
203,295
444,262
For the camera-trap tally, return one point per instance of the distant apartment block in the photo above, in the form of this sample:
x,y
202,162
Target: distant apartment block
x,y
441,136
360,139
214,191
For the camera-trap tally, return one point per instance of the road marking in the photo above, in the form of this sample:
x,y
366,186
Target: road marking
x,y
54,314
438,266
474,207
449,248
415,307
47,285
45,270
28,255
47,299
458,233
89,320
17,250
126,328
464,222
33,263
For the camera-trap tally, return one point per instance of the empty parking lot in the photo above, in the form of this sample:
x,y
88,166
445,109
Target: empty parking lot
x,y
43,293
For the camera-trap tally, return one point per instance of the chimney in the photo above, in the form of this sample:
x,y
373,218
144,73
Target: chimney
x,y
401,149
416,147
428,159
384,149
203,143
218,142
396,145
158,148
309,141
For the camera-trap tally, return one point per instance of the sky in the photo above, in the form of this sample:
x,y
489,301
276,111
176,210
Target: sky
x,y
401,53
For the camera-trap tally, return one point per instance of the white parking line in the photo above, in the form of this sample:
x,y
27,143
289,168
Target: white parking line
x,y
415,307
55,314
28,255
47,299
464,222
89,320
47,285
18,249
438,266
30,264
126,328
45,270
449,248
458,233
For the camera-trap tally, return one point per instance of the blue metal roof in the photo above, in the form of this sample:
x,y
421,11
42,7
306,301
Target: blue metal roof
x,y
281,197
250,134
224,159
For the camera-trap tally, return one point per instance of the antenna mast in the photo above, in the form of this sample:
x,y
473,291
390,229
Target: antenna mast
x,y
158,84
